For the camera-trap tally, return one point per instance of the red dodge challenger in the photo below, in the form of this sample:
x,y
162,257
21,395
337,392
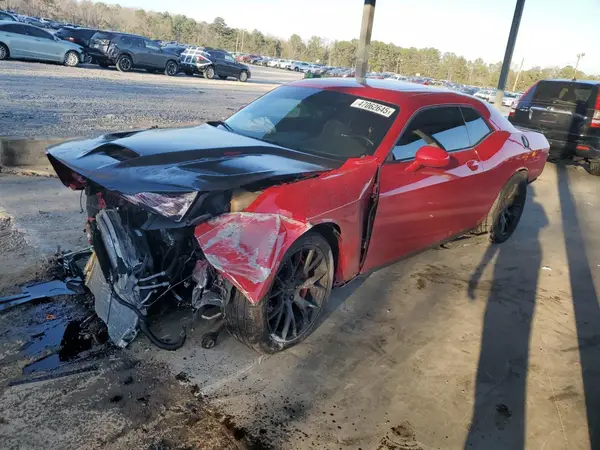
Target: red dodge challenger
x,y
253,220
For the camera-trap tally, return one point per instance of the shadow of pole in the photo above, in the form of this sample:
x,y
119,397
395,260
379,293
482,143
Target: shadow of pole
x,y
585,305
498,420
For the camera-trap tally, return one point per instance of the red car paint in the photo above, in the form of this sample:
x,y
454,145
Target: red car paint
x,y
417,207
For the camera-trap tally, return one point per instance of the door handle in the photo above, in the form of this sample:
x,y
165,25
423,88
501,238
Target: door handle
x,y
473,165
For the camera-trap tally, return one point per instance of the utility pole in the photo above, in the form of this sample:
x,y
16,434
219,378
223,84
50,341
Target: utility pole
x,y
364,43
518,75
510,47
243,34
398,62
579,56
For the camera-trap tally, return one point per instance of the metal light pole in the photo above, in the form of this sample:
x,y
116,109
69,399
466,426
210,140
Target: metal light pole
x,y
518,75
579,56
364,43
510,47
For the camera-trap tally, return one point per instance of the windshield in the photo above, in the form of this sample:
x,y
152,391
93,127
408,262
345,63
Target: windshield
x,y
317,121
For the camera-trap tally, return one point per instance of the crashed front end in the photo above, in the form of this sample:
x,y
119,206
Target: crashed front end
x,y
187,246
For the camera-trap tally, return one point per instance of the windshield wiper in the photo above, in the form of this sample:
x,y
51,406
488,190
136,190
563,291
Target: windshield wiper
x,y
223,124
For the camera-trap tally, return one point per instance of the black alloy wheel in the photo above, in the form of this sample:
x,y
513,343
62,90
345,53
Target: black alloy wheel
x,y
509,208
297,294
171,68
124,63
291,309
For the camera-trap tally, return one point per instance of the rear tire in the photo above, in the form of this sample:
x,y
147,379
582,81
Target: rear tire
x,y
172,68
124,63
595,167
87,59
4,53
71,59
262,326
503,218
210,73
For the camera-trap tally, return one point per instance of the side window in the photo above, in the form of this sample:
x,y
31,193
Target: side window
x,y
150,45
18,29
477,127
125,41
137,43
440,127
36,32
229,58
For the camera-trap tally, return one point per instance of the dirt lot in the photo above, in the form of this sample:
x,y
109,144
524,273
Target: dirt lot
x,y
48,100
471,346
474,346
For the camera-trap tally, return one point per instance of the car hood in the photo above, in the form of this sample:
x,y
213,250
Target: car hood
x,y
203,158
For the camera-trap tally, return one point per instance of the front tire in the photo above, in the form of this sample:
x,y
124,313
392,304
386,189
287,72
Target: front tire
x,y
506,211
124,63
4,53
171,69
71,59
291,309
243,76
209,73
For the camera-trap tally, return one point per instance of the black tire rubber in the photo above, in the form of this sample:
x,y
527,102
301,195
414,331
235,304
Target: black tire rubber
x,y
223,77
71,59
124,63
247,322
87,59
171,68
595,167
4,53
210,73
514,189
296,69
243,76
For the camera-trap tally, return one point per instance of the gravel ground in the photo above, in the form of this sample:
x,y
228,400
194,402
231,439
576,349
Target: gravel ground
x,y
47,100
453,348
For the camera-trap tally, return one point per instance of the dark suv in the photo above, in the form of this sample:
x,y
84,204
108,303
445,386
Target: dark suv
x,y
128,52
82,36
212,63
568,113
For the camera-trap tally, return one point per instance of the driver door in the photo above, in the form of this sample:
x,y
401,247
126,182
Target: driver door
x,y
423,207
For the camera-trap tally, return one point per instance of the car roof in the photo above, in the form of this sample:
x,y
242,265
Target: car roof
x,y
393,91
566,80
388,85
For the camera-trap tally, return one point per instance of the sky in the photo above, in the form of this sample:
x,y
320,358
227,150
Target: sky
x,y
552,32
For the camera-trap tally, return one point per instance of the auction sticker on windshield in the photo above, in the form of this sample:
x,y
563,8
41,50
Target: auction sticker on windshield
x,y
377,108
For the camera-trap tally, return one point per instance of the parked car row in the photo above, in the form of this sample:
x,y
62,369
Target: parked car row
x,y
72,45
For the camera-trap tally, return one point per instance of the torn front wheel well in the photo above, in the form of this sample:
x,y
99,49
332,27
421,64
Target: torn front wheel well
x,y
331,232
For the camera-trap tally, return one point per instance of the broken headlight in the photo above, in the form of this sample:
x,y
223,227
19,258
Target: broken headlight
x,y
241,199
173,206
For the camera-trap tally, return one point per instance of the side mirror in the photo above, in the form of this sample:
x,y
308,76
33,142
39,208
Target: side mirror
x,y
430,156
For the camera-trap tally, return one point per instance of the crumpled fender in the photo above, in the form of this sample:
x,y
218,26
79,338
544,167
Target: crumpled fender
x,y
246,248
